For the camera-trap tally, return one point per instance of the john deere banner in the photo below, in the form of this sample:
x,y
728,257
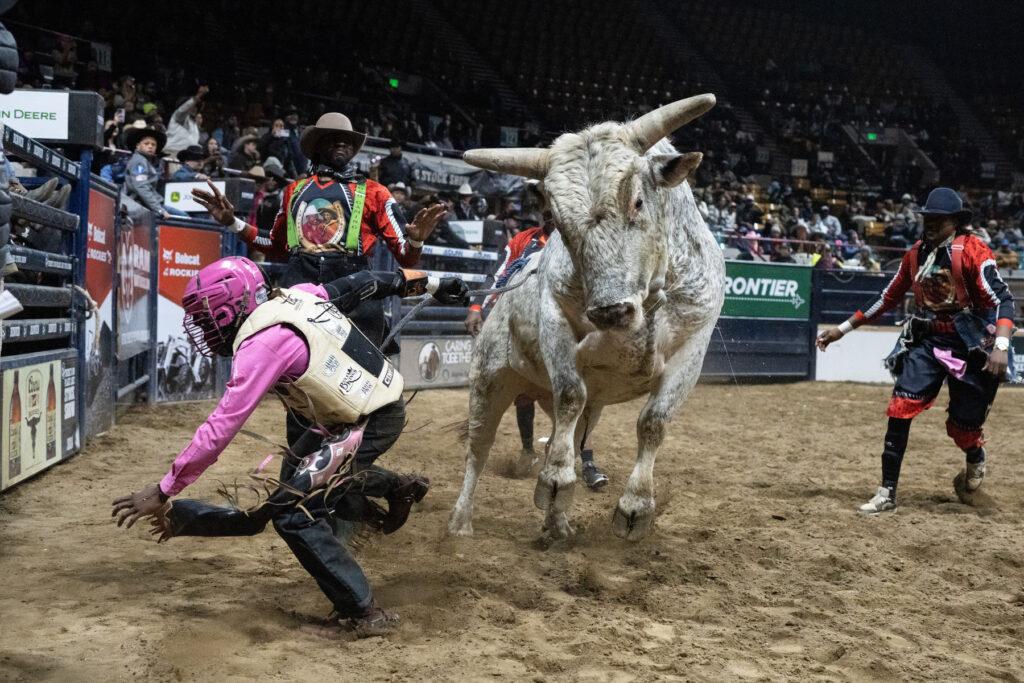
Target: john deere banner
x,y
767,290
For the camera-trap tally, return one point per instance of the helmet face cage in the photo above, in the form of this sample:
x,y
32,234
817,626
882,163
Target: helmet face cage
x,y
217,300
207,338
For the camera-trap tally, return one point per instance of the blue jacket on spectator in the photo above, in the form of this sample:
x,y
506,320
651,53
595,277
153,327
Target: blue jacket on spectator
x,y
114,173
184,174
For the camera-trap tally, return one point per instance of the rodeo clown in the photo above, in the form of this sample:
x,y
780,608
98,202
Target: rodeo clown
x,y
518,251
331,222
960,334
298,343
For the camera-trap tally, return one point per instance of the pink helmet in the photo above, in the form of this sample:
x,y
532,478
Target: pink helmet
x,y
217,301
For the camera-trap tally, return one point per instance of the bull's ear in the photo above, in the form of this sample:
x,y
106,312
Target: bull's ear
x,y
672,169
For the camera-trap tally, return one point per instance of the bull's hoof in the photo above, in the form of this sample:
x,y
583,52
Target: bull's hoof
x,y
556,527
460,523
528,459
555,489
634,518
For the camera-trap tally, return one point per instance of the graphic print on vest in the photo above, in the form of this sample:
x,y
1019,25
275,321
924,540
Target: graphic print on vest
x,y
321,221
938,289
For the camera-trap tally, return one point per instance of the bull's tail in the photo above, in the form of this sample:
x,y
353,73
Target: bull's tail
x,y
460,429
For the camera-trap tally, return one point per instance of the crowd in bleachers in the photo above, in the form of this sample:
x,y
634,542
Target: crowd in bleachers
x,y
574,70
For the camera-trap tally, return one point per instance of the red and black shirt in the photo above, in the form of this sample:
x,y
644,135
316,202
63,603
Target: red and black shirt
x,y
937,290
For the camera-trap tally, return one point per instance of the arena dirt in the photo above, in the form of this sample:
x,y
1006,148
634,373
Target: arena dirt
x,y
759,567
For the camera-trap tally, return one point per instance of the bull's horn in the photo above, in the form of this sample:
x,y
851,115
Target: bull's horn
x,y
654,125
524,161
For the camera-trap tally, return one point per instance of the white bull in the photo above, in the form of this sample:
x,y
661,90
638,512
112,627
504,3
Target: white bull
x,y
623,303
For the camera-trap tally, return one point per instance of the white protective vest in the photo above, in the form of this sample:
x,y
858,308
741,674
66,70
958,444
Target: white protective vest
x,y
347,378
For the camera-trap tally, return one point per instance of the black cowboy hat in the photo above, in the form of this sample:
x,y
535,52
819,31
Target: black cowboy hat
x,y
945,201
191,153
331,123
135,134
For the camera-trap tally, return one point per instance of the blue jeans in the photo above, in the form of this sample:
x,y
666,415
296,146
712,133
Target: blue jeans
x,y
175,211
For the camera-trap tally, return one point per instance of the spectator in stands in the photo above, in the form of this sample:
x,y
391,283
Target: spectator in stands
x,y
266,201
783,254
228,132
833,228
444,235
443,132
464,209
400,192
866,260
244,154
291,123
277,143
394,168
191,158
213,165
1006,257
144,170
183,129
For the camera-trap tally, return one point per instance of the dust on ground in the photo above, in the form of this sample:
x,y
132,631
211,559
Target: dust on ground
x,y
759,567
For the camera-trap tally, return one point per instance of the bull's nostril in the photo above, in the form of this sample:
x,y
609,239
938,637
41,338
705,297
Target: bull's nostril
x,y
615,315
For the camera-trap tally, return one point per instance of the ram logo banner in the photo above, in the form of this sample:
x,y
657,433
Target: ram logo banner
x,y
763,290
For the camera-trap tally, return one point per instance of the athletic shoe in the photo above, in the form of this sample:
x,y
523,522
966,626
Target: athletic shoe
x,y
410,489
376,622
593,477
883,501
974,475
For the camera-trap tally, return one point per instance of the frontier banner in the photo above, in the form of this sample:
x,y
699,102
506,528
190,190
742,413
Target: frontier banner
x,y
767,290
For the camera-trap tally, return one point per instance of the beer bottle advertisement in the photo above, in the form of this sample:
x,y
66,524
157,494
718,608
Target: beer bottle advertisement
x,y
31,428
51,416
13,441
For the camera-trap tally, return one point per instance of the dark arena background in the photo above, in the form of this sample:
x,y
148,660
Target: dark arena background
x,y
834,122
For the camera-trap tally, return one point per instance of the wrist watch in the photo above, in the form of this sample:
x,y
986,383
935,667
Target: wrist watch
x,y
1002,344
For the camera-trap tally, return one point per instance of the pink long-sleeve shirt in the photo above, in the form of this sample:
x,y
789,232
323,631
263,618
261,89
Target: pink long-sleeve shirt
x,y
275,354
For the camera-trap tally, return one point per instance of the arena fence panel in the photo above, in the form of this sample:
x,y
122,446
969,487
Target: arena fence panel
x,y
40,350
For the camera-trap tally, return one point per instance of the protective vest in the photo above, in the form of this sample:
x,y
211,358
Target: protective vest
x,y
348,377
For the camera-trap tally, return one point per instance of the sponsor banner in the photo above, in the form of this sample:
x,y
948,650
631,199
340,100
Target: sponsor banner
x,y
183,374
435,361
30,437
69,407
179,194
429,170
134,278
765,290
471,231
99,281
39,114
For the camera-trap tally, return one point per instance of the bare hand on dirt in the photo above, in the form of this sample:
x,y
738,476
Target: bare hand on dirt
x,y
135,506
